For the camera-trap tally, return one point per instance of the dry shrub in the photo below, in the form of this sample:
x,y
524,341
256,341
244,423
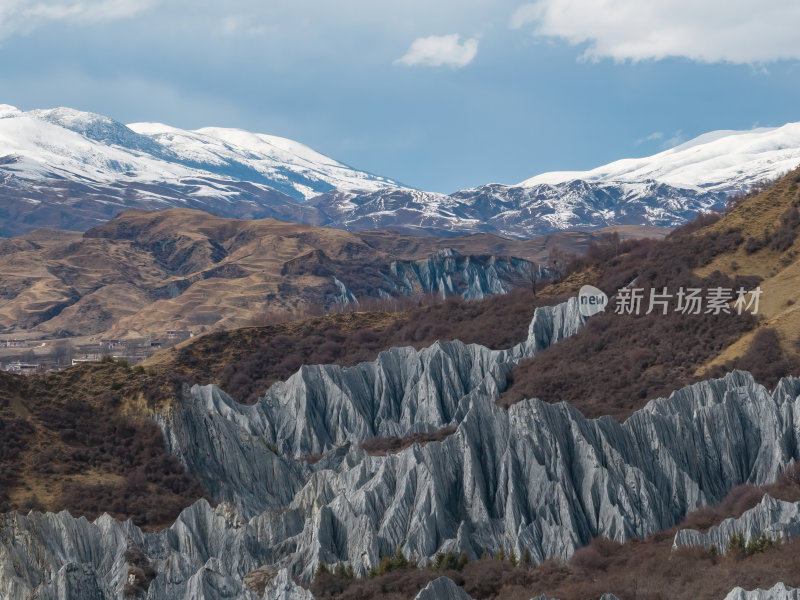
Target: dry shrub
x,y
390,445
245,362
765,358
615,364
76,423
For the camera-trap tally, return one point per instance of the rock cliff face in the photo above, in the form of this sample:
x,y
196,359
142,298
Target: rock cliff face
x,y
772,517
245,454
536,475
442,589
449,273
282,587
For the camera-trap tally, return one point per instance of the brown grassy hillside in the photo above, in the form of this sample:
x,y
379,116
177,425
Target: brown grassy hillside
x,y
144,272
620,361
80,440
244,362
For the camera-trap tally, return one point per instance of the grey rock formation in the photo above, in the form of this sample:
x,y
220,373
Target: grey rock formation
x,y
775,518
551,324
444,274
778,592
536,475
55,554
282,587
448,273
442,589
72,581
244,454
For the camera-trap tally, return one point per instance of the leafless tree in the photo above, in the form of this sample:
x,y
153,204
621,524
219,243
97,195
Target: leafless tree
x,y
530,276
557,263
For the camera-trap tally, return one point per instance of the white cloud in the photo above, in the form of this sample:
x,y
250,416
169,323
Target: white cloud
x,y
676,139
439,50
656,135
21,16
240,25
736,31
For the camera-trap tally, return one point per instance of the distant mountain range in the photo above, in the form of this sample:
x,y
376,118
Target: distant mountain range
x,y
144,272
62,168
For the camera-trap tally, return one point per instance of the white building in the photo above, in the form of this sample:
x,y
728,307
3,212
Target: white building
x,y
21,368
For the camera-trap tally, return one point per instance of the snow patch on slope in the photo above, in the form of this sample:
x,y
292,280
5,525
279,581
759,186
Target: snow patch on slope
x,y
71,144
725,160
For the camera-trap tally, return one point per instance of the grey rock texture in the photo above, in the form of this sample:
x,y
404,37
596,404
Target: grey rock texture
x,y
244,454
282,587
55,554
778,592
72,581
551,324
442,589
536,475
448,273
773,517
444,274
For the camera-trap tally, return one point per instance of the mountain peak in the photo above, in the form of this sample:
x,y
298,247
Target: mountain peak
x,y
727,161
6,110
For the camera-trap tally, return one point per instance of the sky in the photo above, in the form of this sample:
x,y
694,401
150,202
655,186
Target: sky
x,y
440,95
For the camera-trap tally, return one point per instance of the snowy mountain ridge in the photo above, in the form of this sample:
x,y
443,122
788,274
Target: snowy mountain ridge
x,y
63,168
64,142
727,160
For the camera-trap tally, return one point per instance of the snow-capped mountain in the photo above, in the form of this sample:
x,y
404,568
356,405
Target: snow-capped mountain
x,y
70,143
518,212
721,161
71,169
68,169
665,190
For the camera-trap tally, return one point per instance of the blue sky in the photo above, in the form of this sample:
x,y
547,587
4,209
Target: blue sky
x,y
439,96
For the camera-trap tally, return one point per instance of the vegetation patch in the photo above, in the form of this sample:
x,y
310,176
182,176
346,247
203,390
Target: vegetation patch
x,y
378,446
245,362
619,361
80,446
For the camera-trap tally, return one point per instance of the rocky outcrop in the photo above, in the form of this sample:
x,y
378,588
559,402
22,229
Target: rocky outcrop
x,y
281,587
778,592
551,324
245,454
449,273
774,518
71,581
203,555
442,589
535,476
